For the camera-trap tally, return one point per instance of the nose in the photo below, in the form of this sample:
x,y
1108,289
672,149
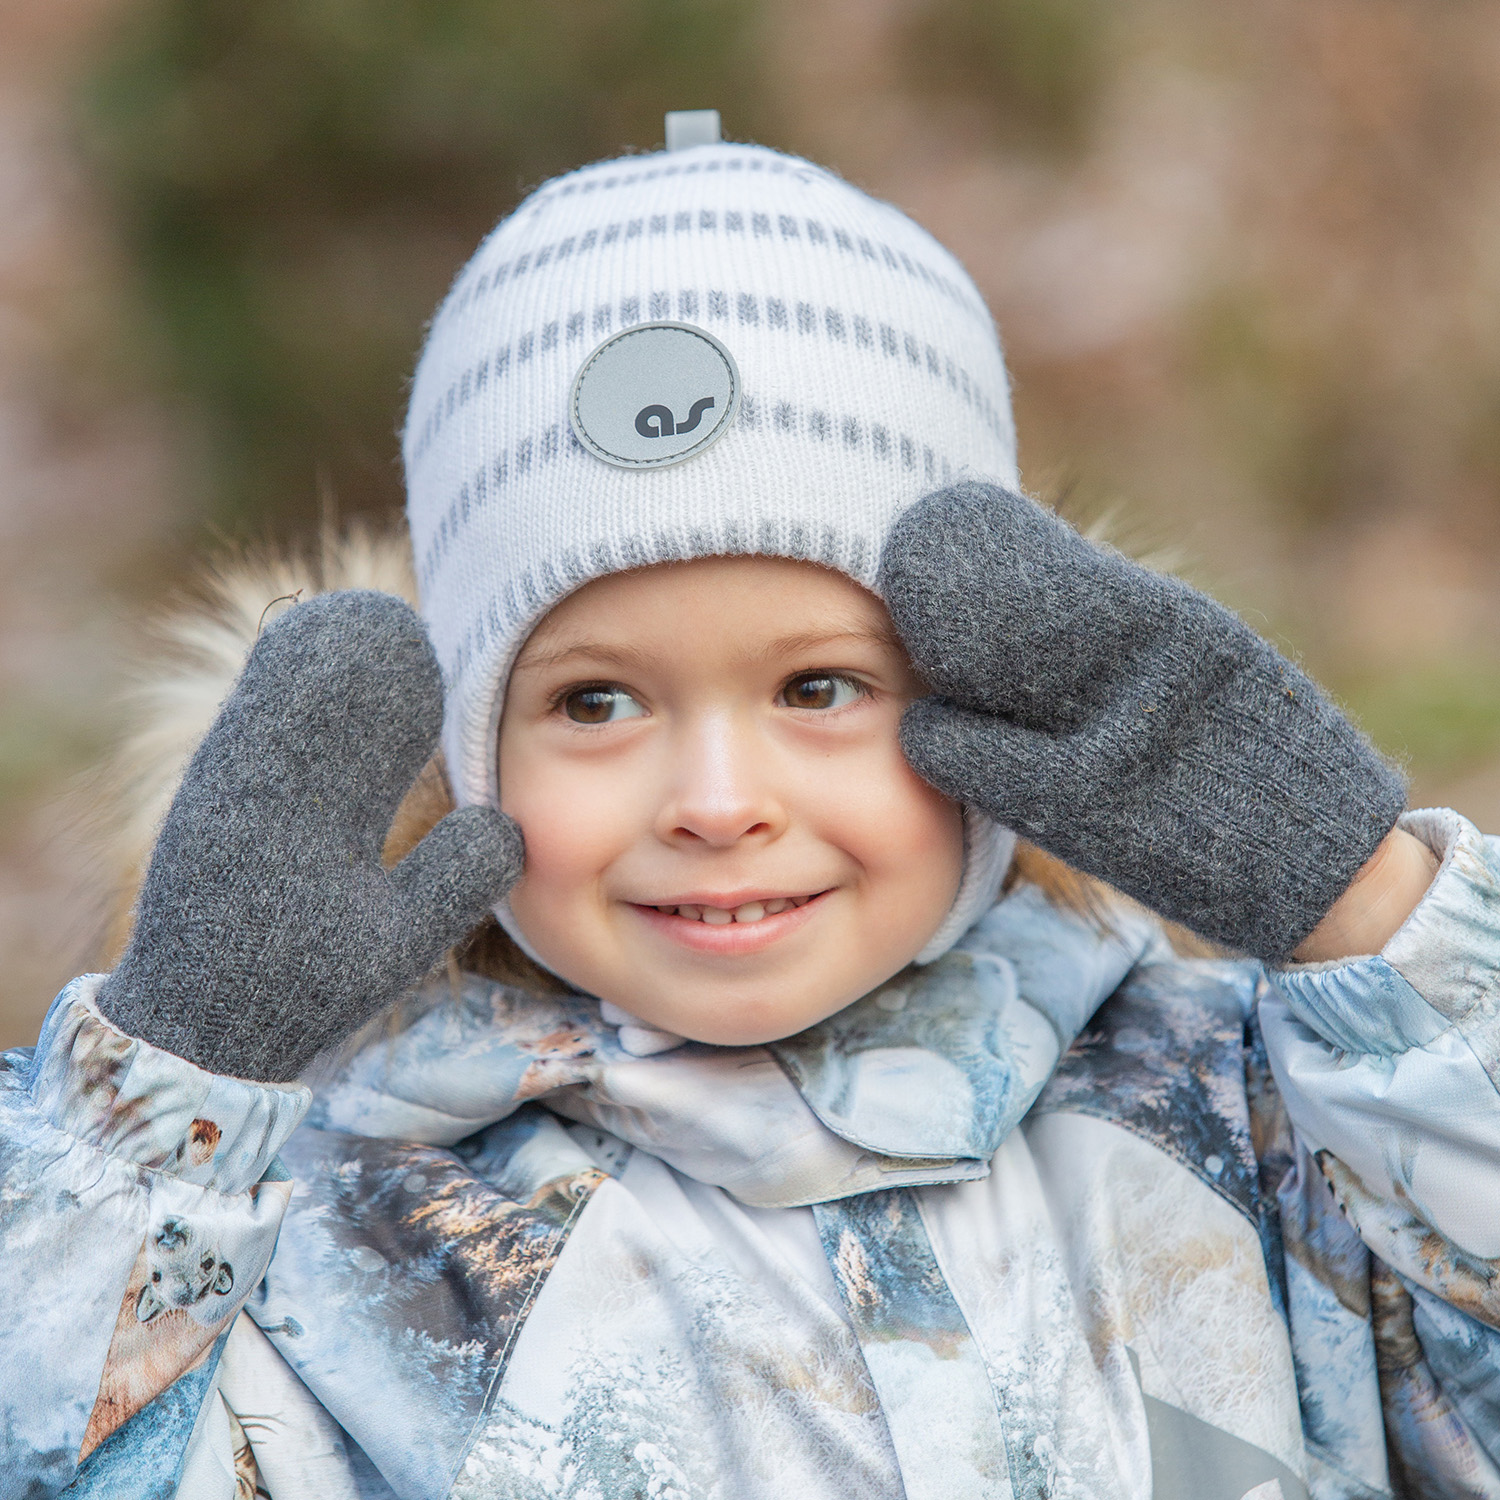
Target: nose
x,y
722,789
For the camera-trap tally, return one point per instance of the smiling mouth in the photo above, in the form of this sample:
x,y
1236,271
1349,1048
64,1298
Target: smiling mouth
x,y
746,914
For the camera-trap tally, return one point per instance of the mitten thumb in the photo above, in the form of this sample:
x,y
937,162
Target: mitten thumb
x,y
458,872
1002,768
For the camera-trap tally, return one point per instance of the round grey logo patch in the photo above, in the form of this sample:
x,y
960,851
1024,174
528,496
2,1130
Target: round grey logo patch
x,y
654,395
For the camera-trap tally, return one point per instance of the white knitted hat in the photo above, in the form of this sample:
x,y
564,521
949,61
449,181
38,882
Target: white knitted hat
x,y
843,363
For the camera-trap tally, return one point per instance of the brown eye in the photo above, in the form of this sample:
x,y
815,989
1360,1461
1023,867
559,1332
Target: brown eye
x,y
821,690
600,705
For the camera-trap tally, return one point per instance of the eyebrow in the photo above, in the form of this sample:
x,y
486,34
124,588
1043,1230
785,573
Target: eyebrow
x,y
628,658
624,657
800,642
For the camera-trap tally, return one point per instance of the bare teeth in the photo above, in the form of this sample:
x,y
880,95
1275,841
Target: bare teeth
x,y
722,916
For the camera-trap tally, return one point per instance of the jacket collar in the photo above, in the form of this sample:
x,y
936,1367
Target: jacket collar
x,y
918,1082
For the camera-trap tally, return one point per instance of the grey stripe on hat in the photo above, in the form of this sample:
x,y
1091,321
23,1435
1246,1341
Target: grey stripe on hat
x,y
837,325
723,223
777,419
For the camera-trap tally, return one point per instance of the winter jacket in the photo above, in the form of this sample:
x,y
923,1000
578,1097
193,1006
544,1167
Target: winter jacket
x,y
1060,1215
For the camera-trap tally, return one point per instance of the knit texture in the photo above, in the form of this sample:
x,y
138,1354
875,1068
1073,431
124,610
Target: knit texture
x,y
267,928
869,372
1127,723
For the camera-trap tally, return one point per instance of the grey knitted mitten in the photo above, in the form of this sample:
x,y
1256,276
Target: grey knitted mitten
x,y
267,928
1127,723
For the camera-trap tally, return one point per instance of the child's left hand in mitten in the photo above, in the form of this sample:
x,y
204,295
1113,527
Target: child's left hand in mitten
x,y
1141,732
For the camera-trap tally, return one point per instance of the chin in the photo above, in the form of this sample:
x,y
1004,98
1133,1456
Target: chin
x,y
742,1036
742,1021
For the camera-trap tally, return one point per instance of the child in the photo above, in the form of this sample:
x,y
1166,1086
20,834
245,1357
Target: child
x,y
822,1152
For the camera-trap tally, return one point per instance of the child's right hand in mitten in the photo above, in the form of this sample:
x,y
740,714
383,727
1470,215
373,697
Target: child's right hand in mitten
x,y
1127,723
267,928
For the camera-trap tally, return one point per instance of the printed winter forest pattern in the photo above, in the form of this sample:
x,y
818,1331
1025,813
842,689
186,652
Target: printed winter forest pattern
x,y
1062,1215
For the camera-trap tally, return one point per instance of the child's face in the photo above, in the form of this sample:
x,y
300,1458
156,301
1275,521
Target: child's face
x,y
719,737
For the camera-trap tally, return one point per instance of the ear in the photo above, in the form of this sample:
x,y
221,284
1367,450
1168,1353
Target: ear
x,y
148,1304
224,1281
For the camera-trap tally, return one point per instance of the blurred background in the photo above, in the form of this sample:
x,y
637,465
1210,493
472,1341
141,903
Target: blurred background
x,y
1246,261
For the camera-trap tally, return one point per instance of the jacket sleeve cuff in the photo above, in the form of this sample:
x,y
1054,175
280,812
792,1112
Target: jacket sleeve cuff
x,y
1440,970
135,1101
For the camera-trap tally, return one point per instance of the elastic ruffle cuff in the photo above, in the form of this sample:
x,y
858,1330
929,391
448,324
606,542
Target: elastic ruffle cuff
x,y
132,1100
1389,1067
1441,968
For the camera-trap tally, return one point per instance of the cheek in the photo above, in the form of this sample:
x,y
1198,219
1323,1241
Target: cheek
x,y
922,850
576,819
906,836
